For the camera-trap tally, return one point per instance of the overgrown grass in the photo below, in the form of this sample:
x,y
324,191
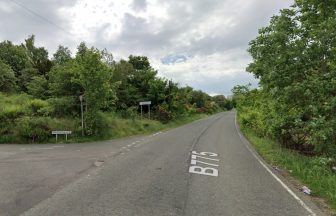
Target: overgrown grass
x,y
311,171
119,127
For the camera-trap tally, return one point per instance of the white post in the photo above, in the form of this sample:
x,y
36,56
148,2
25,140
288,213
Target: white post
x,y
141,110
149,110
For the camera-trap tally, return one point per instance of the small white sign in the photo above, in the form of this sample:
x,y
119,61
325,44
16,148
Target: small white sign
x,y
61,132
145,103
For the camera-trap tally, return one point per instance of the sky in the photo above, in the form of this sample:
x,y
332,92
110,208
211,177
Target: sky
x,y
200,43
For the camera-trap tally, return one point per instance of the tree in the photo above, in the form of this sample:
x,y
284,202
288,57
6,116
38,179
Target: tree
x,y
139,62
127,94
199,98
157,91
94,77
62,55
38,56
222,102
38,87
17,58
81,50
64,80
107,58
7,78
14,56
143,74
294,58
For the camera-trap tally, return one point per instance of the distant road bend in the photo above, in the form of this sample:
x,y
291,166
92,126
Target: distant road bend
x,y
203,168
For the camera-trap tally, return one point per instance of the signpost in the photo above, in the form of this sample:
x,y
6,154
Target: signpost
x,y
144,103
61,132
81,101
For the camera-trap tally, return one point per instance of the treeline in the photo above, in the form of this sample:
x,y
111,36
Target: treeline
x,y
295,59
52,87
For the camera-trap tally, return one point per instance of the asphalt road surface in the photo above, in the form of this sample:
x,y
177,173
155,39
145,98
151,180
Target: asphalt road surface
x,y
203,168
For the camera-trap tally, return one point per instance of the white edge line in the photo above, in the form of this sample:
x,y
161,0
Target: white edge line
x,y
304,205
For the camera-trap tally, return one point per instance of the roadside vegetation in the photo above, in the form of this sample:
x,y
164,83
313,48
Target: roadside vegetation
x,y
314,172
39,94
291,117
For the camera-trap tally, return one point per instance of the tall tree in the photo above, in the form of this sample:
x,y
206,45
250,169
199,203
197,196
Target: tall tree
x,y
38,56
62,55
294,57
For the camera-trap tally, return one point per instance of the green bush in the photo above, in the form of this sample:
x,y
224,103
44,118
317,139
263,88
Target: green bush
x,y
95,124
34,129
10,113
7,117
162,114
130,112
37,106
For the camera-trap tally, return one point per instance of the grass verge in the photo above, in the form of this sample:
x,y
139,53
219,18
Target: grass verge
x,y
119,127
311,171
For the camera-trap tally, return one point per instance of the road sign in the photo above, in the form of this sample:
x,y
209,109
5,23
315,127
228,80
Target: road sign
x,y
145,103
61,133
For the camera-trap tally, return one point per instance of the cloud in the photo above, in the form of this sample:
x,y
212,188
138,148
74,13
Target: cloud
x,y
139,5
18,21
195,42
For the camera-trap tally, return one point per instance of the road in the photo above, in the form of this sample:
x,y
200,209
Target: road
x,y
203,168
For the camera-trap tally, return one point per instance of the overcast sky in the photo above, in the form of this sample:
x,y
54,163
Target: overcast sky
x,y
201,43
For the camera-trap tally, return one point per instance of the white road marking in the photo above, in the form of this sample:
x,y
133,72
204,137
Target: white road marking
x,y
44,148
203,170
304,205
58,146
209,171
157,133
124,147
129,145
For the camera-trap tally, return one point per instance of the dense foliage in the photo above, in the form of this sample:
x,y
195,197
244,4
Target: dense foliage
x,y
295,59
38,94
